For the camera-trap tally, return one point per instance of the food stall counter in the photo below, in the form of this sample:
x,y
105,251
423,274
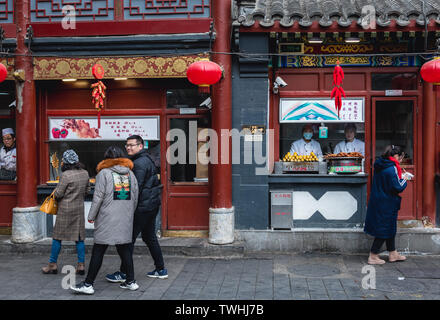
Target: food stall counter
x,y
323,200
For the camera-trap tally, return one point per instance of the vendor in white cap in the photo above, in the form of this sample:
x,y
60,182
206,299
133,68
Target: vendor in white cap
x,y
306,145
8,155
350,144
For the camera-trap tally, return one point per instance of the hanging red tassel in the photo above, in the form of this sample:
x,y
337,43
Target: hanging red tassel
x,y
98,96
338,92
98,92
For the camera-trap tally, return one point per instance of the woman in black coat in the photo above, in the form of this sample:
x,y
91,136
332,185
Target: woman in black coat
x,y
384,204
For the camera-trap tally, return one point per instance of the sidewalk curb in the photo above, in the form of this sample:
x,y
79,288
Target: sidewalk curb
x,y
190,247
249,243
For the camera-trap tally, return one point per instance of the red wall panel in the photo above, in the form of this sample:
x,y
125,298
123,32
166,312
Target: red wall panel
x,y
133,99
352,81
8,200
130,94
301,82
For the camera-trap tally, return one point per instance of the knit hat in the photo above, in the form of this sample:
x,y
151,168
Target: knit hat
x,y
7,131
70,157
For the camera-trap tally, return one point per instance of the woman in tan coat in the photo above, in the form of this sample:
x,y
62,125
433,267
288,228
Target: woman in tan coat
x,y
69,224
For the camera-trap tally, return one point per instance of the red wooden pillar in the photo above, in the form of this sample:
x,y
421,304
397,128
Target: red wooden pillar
x,y
25,216
428,156
221,221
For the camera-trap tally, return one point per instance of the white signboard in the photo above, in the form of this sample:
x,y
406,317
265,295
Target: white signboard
x,y
301,110
112,128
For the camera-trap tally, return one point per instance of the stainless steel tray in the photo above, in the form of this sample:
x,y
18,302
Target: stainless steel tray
x,y
343,158
303,166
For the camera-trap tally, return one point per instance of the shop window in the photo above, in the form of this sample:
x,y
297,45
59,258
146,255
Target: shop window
x,y
7,120
188,172
185,98
7,105
290,132
90,153
394,81
394,126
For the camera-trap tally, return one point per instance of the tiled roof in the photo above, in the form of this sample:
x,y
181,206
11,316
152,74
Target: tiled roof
x,y
266,12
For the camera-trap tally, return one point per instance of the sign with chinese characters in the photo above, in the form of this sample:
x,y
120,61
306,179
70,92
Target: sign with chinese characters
x,y
393,93
302,110
112,128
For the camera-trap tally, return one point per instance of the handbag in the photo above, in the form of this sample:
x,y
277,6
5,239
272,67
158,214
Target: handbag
x,y
50,205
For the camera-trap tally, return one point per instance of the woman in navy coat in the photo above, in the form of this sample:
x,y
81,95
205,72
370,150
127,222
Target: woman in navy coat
x,y
384,203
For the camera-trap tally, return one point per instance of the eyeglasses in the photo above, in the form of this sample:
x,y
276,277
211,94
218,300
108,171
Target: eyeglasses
x,y
7,138
131,145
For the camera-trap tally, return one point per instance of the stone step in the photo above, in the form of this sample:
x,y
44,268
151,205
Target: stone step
x,y
260,242
348,240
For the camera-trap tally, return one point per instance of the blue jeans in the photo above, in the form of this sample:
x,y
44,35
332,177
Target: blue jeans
x,y
56,248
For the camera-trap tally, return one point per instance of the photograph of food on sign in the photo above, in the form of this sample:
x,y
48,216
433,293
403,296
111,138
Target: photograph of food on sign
x,y
111,128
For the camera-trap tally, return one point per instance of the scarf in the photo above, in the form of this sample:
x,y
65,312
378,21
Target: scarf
x,y
399,169
9,149
108,163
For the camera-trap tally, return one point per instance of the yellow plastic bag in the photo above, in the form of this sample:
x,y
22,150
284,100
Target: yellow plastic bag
x,y
50,205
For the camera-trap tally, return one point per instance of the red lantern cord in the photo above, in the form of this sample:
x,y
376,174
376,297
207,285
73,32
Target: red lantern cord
x,y
204,88
338,92
98,96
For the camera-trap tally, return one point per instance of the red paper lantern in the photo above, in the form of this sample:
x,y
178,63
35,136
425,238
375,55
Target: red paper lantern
x,y
204,73
3,72
430,71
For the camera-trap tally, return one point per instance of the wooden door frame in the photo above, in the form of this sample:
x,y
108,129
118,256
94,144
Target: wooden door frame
x,y
167,143
167,167
417,143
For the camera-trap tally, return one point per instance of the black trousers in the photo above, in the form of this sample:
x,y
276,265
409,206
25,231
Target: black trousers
x,y
145,224
377,244
98,252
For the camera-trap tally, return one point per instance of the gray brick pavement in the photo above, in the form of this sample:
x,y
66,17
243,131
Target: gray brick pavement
x,y
277,277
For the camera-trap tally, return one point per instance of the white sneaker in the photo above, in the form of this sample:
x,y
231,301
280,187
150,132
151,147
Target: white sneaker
x,y
83,288
129,285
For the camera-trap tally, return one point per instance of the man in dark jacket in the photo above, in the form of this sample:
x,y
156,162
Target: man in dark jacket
x,y
148,206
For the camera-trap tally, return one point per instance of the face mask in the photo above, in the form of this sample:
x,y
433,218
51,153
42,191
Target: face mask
x,y
308,135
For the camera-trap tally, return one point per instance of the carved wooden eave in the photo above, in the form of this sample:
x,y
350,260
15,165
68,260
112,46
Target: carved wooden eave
x,y
51,68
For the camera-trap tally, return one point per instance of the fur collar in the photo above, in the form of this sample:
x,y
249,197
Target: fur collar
x,y
107,163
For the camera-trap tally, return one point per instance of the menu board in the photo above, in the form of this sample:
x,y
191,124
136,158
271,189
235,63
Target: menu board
x,y
303,110
112,128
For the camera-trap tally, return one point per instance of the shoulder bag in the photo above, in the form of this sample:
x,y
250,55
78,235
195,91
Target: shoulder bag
x,y
50,205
